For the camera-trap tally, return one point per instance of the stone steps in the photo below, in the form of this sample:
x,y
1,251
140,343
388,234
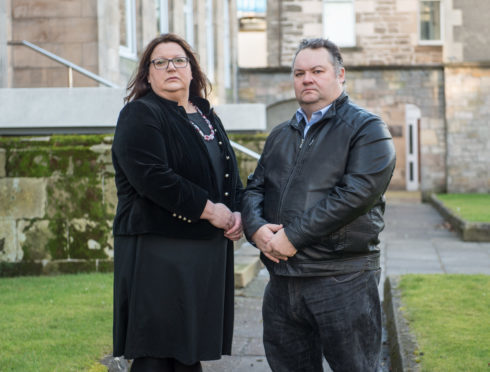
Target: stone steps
x,y
247,263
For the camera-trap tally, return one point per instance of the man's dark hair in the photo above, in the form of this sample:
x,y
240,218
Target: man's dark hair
x,y
331,47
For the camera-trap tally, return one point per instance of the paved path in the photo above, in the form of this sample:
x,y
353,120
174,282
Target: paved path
x,y
416,240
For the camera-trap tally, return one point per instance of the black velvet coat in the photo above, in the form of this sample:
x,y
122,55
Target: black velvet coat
x,y
164,175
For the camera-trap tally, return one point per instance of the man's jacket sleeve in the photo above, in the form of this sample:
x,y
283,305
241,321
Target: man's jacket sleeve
x,y
253,197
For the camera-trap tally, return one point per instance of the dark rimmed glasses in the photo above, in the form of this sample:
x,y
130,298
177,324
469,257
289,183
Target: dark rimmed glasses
x,y
162,63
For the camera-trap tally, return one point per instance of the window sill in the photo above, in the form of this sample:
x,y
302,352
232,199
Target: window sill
x,y
430,43
127,53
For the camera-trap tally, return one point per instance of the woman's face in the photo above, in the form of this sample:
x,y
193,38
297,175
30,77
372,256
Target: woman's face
x,y
170,82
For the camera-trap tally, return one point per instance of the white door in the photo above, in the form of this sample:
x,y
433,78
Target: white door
x,y
412,119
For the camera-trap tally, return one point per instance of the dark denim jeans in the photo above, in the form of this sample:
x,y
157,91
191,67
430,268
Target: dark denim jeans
x,y
337,316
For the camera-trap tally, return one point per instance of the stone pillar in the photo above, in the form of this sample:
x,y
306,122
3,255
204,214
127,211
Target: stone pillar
x,y
234,51
468,132
219,90
453,50
5,35
200,38
108,35
178,19
274,33
469,28
148,23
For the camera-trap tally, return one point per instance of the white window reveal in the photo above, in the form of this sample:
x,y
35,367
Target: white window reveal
x,y
430,22
162,16
127,29
226,44
210,40
339,22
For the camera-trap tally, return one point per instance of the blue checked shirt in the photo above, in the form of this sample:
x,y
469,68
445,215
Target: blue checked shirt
x,y
315,117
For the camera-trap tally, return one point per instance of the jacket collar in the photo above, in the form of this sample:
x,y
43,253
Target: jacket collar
x,y
336,104
202,103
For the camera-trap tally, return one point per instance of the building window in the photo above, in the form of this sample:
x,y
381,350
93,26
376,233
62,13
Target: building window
x,y
127,29
162,16
251,6
252,36
430,22
339,22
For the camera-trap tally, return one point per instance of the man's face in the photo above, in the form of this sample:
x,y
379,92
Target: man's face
x,y
315,82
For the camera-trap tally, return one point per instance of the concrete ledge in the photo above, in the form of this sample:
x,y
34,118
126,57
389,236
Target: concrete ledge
x,y
44,110
402,342
79,110
35,268
469,231
247,264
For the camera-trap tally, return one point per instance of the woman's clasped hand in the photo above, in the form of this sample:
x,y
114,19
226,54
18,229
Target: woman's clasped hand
x,y
220,216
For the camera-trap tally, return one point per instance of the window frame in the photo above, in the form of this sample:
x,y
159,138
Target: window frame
x,y
435,42
129,50
352,43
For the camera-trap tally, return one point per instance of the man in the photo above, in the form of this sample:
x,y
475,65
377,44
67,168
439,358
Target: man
x,y
314,208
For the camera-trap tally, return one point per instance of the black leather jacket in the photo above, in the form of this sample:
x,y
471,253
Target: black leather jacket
x,y
326,189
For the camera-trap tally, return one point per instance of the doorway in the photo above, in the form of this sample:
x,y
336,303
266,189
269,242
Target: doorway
x,y
412,141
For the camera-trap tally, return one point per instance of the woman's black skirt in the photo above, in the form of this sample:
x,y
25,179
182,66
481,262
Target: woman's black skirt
x,y
173,298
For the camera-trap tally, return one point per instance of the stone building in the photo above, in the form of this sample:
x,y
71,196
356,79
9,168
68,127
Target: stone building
x,y
422,65
106,36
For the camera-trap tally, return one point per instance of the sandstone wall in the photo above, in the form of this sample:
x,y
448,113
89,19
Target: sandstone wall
x,y
468,129
471,30
58,200
386,32
383,91
65,28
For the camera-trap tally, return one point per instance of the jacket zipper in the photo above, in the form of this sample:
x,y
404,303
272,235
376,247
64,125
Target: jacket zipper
x,y
293,171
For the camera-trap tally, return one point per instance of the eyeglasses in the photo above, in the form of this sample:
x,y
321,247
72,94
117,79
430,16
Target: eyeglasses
x,y
162,63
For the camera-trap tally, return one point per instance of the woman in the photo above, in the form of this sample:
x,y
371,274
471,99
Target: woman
x,y
178,192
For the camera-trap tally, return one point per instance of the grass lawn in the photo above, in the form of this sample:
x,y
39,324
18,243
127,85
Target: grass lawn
x,y
57,323
470,207
449,315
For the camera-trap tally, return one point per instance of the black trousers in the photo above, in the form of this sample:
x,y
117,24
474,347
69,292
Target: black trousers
x,y
338,317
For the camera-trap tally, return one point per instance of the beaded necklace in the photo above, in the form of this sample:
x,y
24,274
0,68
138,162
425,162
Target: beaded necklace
x,y
206,137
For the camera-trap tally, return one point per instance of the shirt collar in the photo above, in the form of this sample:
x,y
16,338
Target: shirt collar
x,y
315,117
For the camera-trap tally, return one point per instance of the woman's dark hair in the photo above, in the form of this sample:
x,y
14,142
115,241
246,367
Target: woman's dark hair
x,y
138,86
